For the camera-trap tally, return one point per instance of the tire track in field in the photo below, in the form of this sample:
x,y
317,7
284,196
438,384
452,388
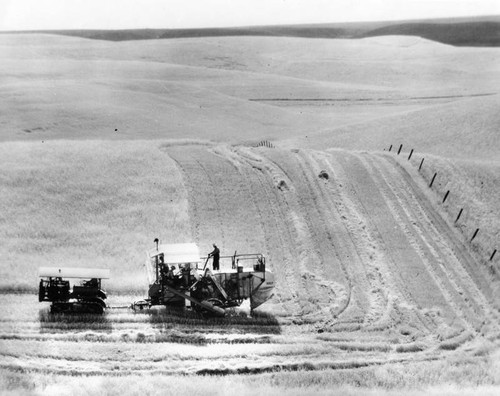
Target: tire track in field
x,y
298,279
402,262
428,243
469,266
230,367
273,214
197,176
236,189
429,288
223,209
358,215
417,233
376,287
330,294
449,250
434,250
340,240
80,352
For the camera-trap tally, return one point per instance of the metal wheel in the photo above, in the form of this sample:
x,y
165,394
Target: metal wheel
x,y
94,308
96,300
216,302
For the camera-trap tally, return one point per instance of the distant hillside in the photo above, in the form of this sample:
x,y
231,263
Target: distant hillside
x,y
472,32
273,31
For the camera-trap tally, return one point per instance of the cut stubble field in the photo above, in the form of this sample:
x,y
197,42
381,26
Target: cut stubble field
x,y
378,290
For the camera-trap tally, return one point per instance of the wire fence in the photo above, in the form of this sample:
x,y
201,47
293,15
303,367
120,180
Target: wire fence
x,y
472,232
265,143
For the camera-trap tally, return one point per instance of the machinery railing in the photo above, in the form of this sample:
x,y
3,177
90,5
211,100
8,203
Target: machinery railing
x,y
258,259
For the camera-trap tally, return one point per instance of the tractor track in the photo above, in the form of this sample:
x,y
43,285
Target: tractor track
x,y
442,262
279,239
386,228
316,255
202,369
341,238
464,267
420,241
333,253
362,241
190,167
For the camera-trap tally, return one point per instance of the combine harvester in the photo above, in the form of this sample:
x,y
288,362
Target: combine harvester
x,y
177,279
88,297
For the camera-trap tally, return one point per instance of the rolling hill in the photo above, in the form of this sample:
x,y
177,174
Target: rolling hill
x,y
467,34
105,145
471,32
251,88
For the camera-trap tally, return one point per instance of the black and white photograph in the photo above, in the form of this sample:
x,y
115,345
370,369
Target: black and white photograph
x,y
249,197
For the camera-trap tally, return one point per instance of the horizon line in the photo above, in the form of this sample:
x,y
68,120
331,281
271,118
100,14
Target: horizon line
x,y
470,17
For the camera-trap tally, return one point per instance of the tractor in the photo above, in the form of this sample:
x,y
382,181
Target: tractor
x,y
87,297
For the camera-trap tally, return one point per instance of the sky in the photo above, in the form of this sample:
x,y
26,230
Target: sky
x,y
131,14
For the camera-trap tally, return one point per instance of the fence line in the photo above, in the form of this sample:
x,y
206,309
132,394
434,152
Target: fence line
x,y
445,196
265,143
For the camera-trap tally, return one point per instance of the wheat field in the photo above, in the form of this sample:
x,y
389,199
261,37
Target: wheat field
x,y
379,289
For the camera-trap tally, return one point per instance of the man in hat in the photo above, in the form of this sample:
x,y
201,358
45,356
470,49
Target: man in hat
x,y
216,255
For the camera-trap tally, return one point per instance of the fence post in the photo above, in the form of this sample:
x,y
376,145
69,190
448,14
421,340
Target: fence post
x,y
475,233
421,163
390,148
493,254
433,178
411,152
400,147
446,195
459,214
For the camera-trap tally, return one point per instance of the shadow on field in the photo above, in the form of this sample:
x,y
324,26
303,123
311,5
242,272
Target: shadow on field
x,y
193,324
60,323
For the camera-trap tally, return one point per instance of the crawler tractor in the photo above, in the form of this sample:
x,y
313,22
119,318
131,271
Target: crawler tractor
x,y
178,278
88,297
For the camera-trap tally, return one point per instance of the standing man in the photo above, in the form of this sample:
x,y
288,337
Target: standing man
x,y
216,255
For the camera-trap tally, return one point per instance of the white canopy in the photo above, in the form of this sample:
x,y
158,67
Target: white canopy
x,y
178,253
83,273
